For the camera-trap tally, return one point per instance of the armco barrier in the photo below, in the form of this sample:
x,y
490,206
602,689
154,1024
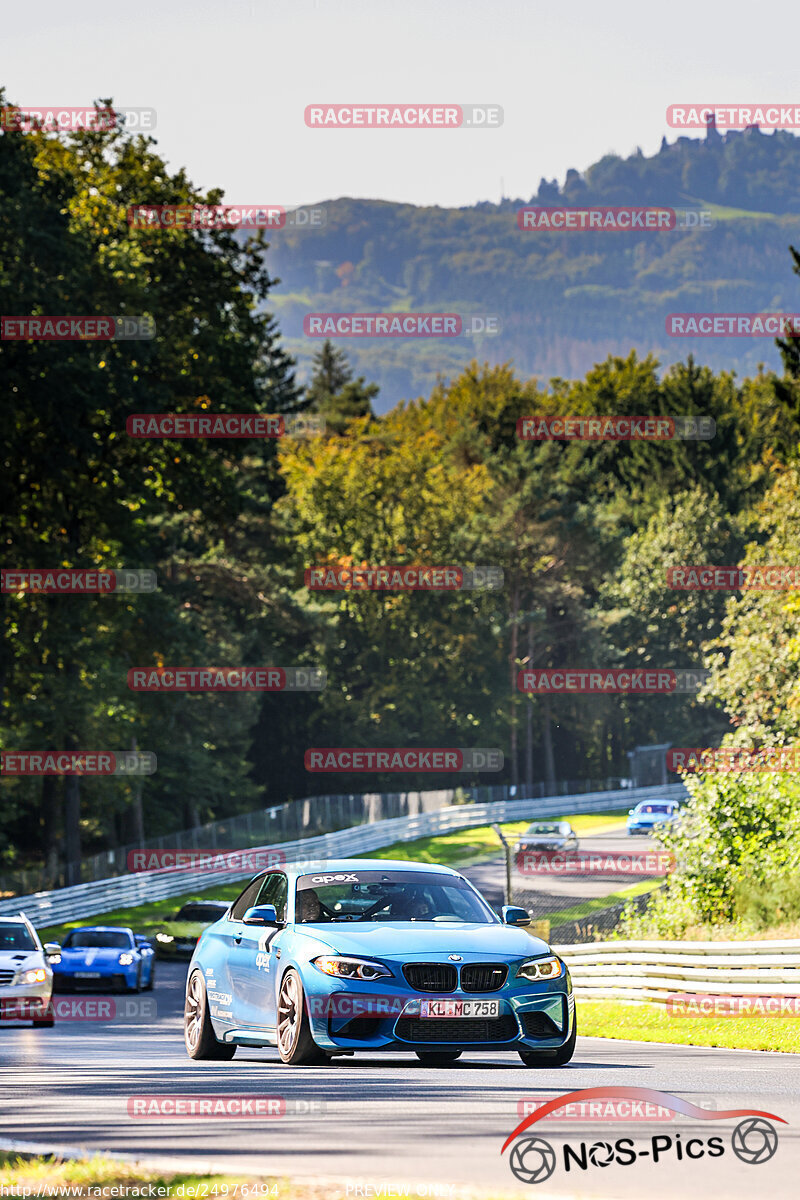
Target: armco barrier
x,y
126,891
650,971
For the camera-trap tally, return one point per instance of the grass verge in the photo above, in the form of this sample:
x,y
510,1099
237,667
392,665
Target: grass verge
x,y
587,907
31,1175
651,1023
467,846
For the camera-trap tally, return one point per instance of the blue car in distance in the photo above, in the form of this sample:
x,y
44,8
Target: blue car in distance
x,y
649,813
375,955
104,956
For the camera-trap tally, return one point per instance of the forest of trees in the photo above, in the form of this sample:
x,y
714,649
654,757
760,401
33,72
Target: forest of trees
x,y
583,531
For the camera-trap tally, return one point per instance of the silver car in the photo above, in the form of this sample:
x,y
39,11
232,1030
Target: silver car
x,y
548,835
26,977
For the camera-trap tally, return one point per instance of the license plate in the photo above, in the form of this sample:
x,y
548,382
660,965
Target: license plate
x,y
87,974
460,1008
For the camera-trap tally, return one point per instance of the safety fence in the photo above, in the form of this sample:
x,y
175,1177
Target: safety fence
x,y
661,971
311,816
126,891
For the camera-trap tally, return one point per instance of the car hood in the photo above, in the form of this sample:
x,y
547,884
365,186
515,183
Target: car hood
x,y
20,960
410,940
100,955
180,929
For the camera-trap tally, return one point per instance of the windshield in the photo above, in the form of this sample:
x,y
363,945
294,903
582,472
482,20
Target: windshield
x,y
389,896
100,939
656,808
14,936
546,829
201,912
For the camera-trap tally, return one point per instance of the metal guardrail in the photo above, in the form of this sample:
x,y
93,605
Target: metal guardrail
x,y
654,971
127,891
307,817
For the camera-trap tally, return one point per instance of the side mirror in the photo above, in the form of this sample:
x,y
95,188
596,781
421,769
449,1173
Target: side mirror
x,y
142,941
262,914
512,915
52,949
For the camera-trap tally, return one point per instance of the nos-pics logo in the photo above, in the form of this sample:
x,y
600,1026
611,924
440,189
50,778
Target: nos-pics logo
x,y
533,1159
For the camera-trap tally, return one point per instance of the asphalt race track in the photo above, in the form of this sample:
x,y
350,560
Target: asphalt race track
x,y
551,893
377,1121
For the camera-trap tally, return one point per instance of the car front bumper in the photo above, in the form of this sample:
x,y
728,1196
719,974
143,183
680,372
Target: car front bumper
x,y
537,1017
120,979
182,948
24,1001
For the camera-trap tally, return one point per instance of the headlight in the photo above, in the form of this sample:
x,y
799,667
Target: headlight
x,y
164,937
541,968
36,976
350,968
125,960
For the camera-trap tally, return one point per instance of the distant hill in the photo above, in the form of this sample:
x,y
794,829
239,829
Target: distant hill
x,y
565,299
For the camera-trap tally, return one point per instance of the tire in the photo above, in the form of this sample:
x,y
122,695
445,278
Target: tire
x,y
296,1046
137,987
198,1033
151,981
437,1058
552,1058
45,1022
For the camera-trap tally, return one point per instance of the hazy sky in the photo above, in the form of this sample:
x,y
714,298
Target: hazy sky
x,y
230,80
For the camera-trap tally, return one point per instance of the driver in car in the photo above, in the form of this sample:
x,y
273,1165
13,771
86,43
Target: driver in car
x,y
411,908
309,907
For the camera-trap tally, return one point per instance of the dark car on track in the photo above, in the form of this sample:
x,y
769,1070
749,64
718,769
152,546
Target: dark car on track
x,y
177,937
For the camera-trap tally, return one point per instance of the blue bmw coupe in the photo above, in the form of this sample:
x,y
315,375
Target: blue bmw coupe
x,y
371,954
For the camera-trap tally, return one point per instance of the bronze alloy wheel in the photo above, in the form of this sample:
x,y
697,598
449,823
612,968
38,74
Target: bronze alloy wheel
x,y
295,1043
198,1032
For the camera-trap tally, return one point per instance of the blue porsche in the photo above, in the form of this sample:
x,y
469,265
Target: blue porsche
x,y
372,954
99,956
